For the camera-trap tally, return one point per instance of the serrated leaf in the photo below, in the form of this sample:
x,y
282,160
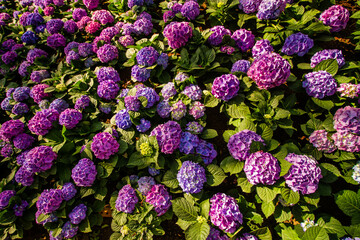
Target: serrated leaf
x,y
290,196
266,194
262,233
245,185
204,208
289,234
267,208
334,226
315,233
184,210
349,202
216,175
170,179
330,65
231,165
198,231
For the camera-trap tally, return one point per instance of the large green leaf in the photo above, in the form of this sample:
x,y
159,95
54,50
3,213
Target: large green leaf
x,y
330,65
198,231
290,196
315,233
216,175
184,210
170,179
349,202
231,165
266,194
268,208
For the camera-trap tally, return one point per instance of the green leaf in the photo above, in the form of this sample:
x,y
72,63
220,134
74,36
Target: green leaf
x,y
231,165
333,226
315,233
330,65
262,233
84,192
290,196
184,224
245,185
246,124
305,66
216,175
267,208
211,101
289,234
266,194
204,208
208,134
170,179
120,218
227,134
184,210
238,111
198,231
42,217
326,104
349,202
281,113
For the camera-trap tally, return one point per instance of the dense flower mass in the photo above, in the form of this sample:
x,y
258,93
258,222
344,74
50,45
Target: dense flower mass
x,y
240,66
39,159
23,141
84,173
107,53
191,177
10,129
239,144
68,191
190,9
168,136
349,90
178,110
336,17
269,70
356,172
319,84
5,197
150,94
122,119
297,43
147,56
159,197
70,118
108,89
320,140
244,39
224,212
271,9
347,119
304,174
206,151
326,54
78,214
38,92
225,87
178,34
249,6
126,199
104,145
49,201
218,32
145,184
346,141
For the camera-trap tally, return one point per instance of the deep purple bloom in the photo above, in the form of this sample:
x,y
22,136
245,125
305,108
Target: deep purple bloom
x,y
54,26
168,136
21,93
5,197
336,17
68,191
84,173
126,199
142,26
163,109
145,184
104,145
23,141
244,39
144,125
34,19
70,26
163,60
249,6
191,177
108,89
159,197
85,49
239,144
78,14
107,53
49,201
319,84
328,54
132,3
225,87
91,4
107,73
72,55
297,43
271,9
69,230
39,75
153,171
174,6
240,66
6,105
70,118
7,150
188,143
178,34
19,209
320,140
24,177
23,68
219,32
150,95
35,53
102,16
71,46
132,103
147,56
190,9
110,32
10,129
29,38
59,105
206,151
57,40
41,123
48,11
347,119
168,15
140,74
38,92
9,57
78,214
82,102
39,159
122,119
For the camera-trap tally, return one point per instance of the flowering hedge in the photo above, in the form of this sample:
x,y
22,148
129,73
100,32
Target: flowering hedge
x,y
234,119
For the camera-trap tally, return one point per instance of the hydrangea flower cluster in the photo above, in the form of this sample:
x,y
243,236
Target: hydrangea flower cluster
x,y
78,214
108,89
349,90
104,145
336,17
59,105
178,34
346,141
190,10
224,212
39,159
107,53
347,119
41,123
38,92
144,125
49,201
140,74
163,109
270,9
206,151
262,167
194,127
84,173
68,191
6,151
145,184
69,230
126,199
82,102
19,209
249,6
197,110
225,87
191,177
107,73
10,129
147,56
70,118
327,54
320,140
150,95
193,92
240,66
218,32
269,70
5,197
244,39
319,84
297,43
159,197
168,90
168,136
122,119
215,235
239,144
356,172
178,110
304,174
132,103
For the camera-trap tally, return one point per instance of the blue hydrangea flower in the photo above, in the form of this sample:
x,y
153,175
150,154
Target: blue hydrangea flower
x,y
122,119
191,177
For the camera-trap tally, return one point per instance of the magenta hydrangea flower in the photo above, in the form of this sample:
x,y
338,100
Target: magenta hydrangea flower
x,y
191,177
91,4
41,123
347,119
336,17
225,87
126,199
70,118
147,56
102,16
23,141
82,102
197,109
178,110
346,141
54,26
319,84
49,201
83,22
239,144
5,197
107,53
145,184
24,177
269,70
190,9
159,197
132,103
10,129
249,6
168,136
69,230
320,140
304,174
168,15
193,92
328,54
92,27
70,26
56,40
84,173
108,90
126,40
261,167
349,90
7,150
78,14
244,39
215,235
297,43
9,57
39,159
38,92
110,32
19,209
39,75
270,9
78,214
104,145
178,34
224,212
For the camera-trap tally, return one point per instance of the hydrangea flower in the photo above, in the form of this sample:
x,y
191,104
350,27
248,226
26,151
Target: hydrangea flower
x,y
218,32
29,37
194,127
244,39
91,4
140,74
145,184
69,230
107,73
190,10
5,197
347,119
320,140
9,57
215,235
49,201
71,46
70,27
206,151
163,109
70,118
191,177
193,92
84,173
168,136
240,66
78,214
168,90
346,141
336,17
39,159
68,191
163,60
262,167
38,92
328,54
92,27
82,102
6,151
153,171
85,50
269,70
144,125
6,105
126,199
356,172
178,110
147,56
56,40
225,87
23,141
10,129
54,26
297,43
304,174
224,212
188,142
126,40
150,95
102,16
248,236
104,145
249,6
174,6
38,76
34,19
143,26
180,76
349,90
108,89
107,53
178,34
270,9
319,84
197,109
41,123
23,68
20,109
122,119
239,144
19,209
132,3
24,177
132,103
227,49
110,32
159,197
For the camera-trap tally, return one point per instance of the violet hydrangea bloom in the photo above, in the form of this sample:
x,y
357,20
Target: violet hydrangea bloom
x,y
178,34
159,197
304,174
70,118
270,9
240,66
191,177
5,197
261,167
143,26
144,125
70,27
150,95
69,230
9,57
328,54
225,87
168,136
6,105
54,26
224,212
107,73
163,109
132,103
178,110
38,92
214,234
39,75
78,13
107,53
122,119
126,199
356,172
108,89
110,32
78,214
85,49
168,90
168,15
193,92
145,184
319,84
239,144
102,16
23,141
147,56
23,68
56,40
132,3
206,151
249,6
19,209
35,53
320,140
140,74
59,105
126,40
104,145
153,171
190,10
10,129
349,90
163,60
188,142
68,191
336,17
49,201
24,177
39,159
21,93
197,109
269,70
347,119
244,39
91,4
41,123
6,151
84,173
297,43
82,102
346,141
29,37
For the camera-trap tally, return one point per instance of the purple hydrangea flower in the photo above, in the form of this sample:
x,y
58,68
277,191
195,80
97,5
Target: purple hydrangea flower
x,y
346,141
122,119
24,177
168,90
29,37
21,157
178,34
153,171
224,212
270,9
304,174
239,144
168,136
19,209
5,197
107,53
34,19
145,184
69,230
23,68
132,3
247,236
206,151
105,108
21,93
225,87
320,140
132,103
328,54
297,43
104,145
190,10
180,76
150,95
218,32
269,70
84,173
347,119
108,89
249,6
261,167
71,46
35,53
194,127
144,125
102,16
126,40
244,39
20,109
163,109
54,26
188,143
215,235
38,92
6,105
319,84
349,90
59,105
82,102
78,214
83,22
39,159
72,56
163,60
56,40
23,141
40,28
49,201
240,66
356,173
336,17
142,26
6,151
174,6
52,218
39,75
168,15
68,191
78,14
147,56
193,92
197,109
126,199
10,129
70,26
70,118
41,123
9,57
191,177
110,32
178,110
8,44
107,73
91,4
128,29
159,197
